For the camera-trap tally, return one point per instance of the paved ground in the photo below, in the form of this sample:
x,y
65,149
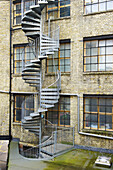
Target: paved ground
x,y
3,154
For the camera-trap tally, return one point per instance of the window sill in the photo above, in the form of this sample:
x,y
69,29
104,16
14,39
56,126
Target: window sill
x,y
100,12
17,123
53,74
17,27
17,75
98,73
98,132
56,19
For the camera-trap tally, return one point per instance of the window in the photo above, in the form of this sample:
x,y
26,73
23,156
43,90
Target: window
x,y
17,14
23,106
22,55
98,112
17,9
60,114
61,59
98,55
58,9
91,6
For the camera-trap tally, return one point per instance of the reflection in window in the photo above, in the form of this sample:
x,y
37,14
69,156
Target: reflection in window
x,y
58,9
60,60
22,55
23,106
60,114
98,55
98,112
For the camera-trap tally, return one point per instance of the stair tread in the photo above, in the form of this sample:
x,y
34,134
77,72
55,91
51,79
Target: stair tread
x,y
49,89
27,18
47,105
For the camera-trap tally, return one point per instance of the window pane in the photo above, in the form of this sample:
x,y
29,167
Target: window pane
x,y
102,102
94,51
102,43
102,51
88,45
87,101
67,53
109,58
94,43
19,100
93,101
87,67
94,125
93,67
109,5
88,9
102,6
102,109
65,2
95,8
18,115
109,42
109,102
93,59
62,68
87,2
109,109
62,54
102,59
101,67
87,60
109,50
64,118
87,108
93,108
102,122
65,11
94,117
88,52
109,67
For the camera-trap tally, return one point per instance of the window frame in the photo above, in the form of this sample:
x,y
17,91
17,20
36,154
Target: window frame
x,y
98,6
14,13
62,42
98,113
24,96
58,9
59,111
106,64
25,59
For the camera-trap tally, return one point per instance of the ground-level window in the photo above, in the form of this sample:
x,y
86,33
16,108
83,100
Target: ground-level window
x,y
98,112
58,9
60,114
22,55
98,55
61,59
91,6
23,106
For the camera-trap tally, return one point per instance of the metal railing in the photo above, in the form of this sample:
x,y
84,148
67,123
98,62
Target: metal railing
x,y
53,145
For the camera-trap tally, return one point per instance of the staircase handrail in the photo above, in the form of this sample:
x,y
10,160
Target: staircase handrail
x,y
55,81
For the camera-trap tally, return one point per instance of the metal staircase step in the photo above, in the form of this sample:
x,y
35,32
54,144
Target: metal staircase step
x,y
34,121
50,97
34,114
48,53
36,8
31,70
30,74
47,106
34,85
32,34
31,127
32,78
42,57
37,61
49,89
34,130
46,152
49,93
32,14
44,138
26,23
49,101
26,29
42,110
32,82
33,65
29,19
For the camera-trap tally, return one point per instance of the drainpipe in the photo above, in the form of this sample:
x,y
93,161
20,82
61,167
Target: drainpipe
x,y
88,134
10,71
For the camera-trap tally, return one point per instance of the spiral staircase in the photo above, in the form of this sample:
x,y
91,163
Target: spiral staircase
x,y
32,73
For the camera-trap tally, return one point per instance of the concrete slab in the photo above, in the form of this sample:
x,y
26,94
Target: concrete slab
x,y
17,162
